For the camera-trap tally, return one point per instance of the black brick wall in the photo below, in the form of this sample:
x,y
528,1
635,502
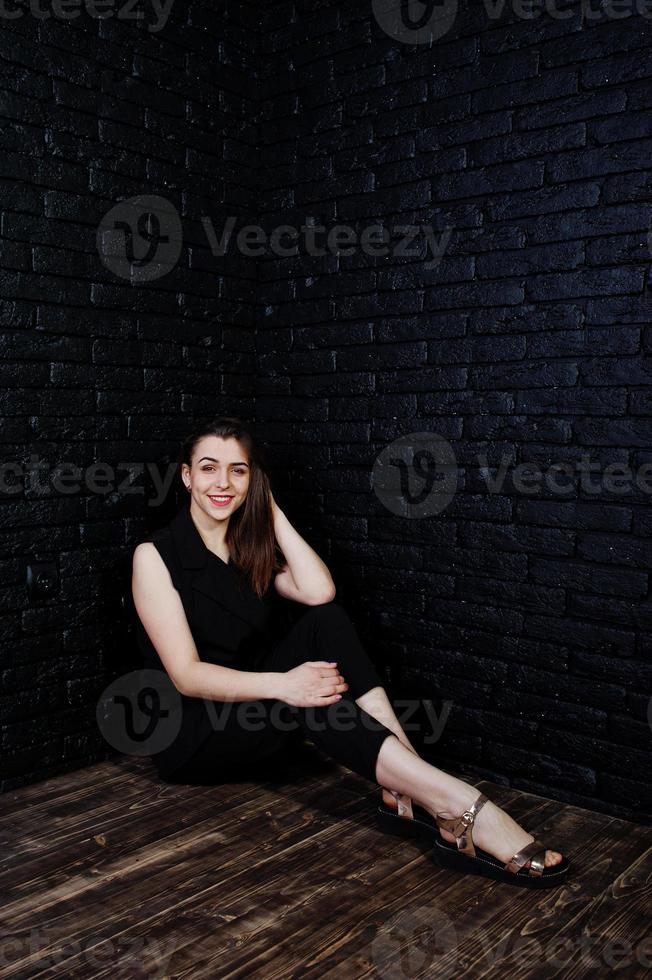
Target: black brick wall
x,y
528,614
94,368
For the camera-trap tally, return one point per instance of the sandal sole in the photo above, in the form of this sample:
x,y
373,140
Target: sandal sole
x,y
447,856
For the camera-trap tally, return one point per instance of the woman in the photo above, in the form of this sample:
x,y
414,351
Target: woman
x,y
202,588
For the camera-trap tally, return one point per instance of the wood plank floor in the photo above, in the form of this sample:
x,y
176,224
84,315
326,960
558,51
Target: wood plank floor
x,y
109,872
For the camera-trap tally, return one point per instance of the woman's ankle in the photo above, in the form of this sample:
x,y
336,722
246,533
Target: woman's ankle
x,y
452,798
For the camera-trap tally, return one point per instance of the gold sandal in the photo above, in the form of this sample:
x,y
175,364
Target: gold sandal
x,y
404,818
464,856
409,819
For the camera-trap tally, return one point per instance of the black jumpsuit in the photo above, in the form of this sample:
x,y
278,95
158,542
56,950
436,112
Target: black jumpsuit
x,y
230,625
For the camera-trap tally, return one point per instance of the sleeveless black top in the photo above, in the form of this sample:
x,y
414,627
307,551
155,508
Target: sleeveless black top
x,y
230,624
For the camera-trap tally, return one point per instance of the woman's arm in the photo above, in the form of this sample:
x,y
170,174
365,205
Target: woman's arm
x,y
161,612
306,578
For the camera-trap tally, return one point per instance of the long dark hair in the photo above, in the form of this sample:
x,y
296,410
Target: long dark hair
x,y
250,535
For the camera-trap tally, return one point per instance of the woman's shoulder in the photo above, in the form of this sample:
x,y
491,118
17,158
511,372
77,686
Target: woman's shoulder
x,y
156,548
160,535
159,540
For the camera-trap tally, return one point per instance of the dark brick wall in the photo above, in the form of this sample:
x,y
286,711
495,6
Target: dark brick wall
x,y
525,615
95,368
531,613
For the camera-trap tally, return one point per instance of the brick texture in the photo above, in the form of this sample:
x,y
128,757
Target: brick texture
x,y
96,368
529,613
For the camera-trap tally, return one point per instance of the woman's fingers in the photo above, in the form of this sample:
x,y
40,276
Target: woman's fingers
x,y
333,690
327,699
334,686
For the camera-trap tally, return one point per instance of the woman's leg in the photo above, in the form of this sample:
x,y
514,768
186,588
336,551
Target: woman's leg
x,y
439,792
326,632
344,730
337,638
247,742
347,732
249,732
376,703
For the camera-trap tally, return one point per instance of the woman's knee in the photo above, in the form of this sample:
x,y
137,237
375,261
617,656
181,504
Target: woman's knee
x,y
327,612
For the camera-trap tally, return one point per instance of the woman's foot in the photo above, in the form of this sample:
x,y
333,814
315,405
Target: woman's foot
x,y
493,830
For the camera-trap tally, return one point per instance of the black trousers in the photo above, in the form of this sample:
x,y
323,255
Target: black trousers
x,y
248,732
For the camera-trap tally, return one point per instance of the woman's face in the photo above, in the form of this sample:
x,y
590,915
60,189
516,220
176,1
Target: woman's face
x,y
220,469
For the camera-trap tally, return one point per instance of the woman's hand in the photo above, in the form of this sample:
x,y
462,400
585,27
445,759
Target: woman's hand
x,y
312,684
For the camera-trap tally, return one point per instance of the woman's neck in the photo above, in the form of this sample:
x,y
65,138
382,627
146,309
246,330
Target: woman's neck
x,y
213,537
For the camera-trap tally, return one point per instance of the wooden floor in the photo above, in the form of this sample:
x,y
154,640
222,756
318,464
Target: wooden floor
x,y
109,872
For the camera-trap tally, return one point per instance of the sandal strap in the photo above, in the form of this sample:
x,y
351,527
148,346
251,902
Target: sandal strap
x,y
462,826
529,852
404,804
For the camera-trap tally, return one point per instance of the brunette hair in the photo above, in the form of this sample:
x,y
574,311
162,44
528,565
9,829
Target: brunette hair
x,y
250,534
